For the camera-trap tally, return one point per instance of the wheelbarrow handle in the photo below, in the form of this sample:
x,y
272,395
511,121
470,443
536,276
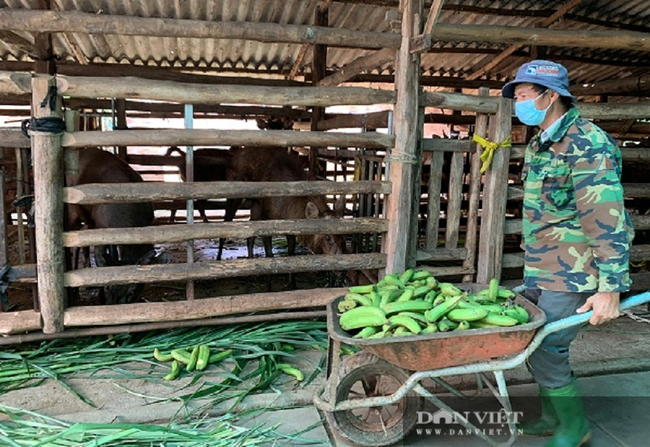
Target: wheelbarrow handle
x,y
577,319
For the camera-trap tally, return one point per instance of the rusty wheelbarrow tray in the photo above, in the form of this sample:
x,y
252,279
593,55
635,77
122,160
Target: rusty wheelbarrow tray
x,y
339,396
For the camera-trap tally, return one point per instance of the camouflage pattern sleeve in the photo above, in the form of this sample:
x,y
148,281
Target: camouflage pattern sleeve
x,y
596,172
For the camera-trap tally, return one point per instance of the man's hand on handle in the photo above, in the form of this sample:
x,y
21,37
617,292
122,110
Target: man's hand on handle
x,y
605,306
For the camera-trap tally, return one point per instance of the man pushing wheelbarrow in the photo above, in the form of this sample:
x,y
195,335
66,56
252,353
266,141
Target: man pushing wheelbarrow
x,y
576,233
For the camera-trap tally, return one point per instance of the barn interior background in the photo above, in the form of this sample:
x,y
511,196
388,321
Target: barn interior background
x,y
380,98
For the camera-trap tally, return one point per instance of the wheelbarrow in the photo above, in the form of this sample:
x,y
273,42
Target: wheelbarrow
x,y
365,411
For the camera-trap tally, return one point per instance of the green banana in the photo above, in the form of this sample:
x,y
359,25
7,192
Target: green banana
x,y
345,305
446,325
406,306
363,300
449,289
437,312
380,334
407,295
481,325
375,298
518,313
290,370
162,357
524,316
415,315
473,314
394,279
429,297
176,370
406,321
420,274
493,289
367,332
432,282
401,331
421,291
362,289
506,294
389,296
499,319
406,276
430,329
360,317
440,298
463,326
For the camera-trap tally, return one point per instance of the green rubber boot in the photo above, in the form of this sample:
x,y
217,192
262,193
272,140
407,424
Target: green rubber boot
x,y
573,430
546,424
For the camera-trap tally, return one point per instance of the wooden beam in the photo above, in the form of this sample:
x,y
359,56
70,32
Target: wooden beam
x,y
237,230
459,101
507,52
203,137
148,274
634,84
89,23
373,60
99,193
203,308
422,42
613,40
89,87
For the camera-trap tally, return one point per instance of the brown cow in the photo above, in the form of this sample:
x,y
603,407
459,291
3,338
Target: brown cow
x,y
99,166
274,164
210,165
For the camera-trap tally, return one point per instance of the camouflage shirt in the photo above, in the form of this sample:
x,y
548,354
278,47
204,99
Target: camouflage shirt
x,y
576,231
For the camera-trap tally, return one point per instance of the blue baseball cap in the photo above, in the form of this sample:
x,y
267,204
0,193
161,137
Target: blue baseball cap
x,y
546,73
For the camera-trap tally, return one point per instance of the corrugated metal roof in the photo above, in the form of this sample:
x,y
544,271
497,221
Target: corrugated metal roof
x,y
451,59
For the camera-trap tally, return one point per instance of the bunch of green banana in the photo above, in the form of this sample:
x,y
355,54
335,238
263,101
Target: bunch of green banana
x,y
198,358
414,302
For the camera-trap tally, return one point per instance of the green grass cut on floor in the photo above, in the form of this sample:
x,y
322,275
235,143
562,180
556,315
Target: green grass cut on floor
x,y
257,350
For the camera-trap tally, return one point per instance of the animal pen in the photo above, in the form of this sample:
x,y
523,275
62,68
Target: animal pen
x,y
445,216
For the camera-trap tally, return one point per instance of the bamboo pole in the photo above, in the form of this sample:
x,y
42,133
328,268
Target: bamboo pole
x,y
197,309
48,191
203,137
98,193
97,24
223,269
397,244
131,87
182,233
494,198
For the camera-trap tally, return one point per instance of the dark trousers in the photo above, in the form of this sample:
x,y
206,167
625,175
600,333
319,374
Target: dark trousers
x,y
549,364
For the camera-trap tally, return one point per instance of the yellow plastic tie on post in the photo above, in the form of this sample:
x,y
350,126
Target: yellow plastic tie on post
x,y
489,148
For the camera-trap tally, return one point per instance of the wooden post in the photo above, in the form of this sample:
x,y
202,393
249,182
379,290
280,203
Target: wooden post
x,y
3,217
48,190
120,115
494,197
471,237
319,71
399,246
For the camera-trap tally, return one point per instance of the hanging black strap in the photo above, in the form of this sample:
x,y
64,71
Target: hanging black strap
x,y
52,125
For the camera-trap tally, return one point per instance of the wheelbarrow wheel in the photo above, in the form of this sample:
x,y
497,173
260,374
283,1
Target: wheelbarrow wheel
x,y
375,426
